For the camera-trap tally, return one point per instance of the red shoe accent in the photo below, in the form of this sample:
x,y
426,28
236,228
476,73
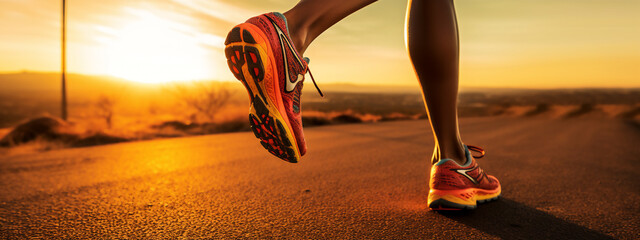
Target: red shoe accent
x,y
261,55
461,187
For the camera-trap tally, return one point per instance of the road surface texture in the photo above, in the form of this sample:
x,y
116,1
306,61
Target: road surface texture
x,y
562,179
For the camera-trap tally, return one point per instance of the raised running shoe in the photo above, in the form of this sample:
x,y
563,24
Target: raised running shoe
x,y
455,187
261,54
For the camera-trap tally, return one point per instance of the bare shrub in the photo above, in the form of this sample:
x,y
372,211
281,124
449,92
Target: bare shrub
x,y
204,99
346,118
43,128
582,110
105,108
539,109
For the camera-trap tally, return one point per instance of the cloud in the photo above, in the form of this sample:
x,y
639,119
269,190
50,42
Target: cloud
x,y
219,10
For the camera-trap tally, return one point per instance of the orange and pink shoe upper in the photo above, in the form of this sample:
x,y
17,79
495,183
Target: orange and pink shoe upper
x,y
291,70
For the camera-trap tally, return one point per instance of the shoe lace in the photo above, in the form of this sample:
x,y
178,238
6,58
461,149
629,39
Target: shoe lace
x,y
476,149
314,82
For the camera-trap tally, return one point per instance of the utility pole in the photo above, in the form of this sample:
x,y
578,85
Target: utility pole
x,y
64,61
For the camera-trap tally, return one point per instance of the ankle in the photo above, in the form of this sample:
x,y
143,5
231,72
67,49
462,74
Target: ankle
x,y
457,154
298,31
458,157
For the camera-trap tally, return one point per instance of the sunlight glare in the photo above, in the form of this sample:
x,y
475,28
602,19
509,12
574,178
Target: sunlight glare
x,y
150,49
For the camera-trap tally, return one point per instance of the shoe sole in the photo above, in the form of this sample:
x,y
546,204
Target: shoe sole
x,y
465,199
246,49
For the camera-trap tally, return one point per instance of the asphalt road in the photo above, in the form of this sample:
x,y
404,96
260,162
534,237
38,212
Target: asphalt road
x,y
575,178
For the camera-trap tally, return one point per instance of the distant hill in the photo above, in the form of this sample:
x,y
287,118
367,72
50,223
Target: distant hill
x,y
357,88
50,83
26,95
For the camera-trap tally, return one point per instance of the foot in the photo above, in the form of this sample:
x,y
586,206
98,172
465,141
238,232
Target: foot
x,y
456,187
262,56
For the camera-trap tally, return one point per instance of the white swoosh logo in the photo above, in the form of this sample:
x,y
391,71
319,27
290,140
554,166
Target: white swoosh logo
x,y
289,86
292,85
463,172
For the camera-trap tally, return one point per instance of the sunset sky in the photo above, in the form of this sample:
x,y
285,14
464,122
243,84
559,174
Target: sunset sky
x,y
504,43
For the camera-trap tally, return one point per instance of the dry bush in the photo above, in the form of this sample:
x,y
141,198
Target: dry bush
x,y
539,109
631,113
105,109
203,99
42,128
582,110
309,121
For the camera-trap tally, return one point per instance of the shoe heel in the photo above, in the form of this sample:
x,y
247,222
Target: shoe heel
x,y
234,51
464,199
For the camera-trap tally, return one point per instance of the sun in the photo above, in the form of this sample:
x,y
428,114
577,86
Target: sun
x,y
150,49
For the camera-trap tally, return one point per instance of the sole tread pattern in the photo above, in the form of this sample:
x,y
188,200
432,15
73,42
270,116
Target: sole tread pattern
x,y
270,132
444,205
266,126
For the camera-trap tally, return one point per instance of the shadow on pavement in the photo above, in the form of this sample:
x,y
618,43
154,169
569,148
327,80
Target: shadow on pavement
x,y
509,219
634,124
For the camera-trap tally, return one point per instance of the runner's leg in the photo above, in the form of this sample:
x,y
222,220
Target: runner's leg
x,y
432,41
310,18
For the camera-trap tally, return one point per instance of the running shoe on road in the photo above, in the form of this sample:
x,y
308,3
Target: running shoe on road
x,y
455,187
261,54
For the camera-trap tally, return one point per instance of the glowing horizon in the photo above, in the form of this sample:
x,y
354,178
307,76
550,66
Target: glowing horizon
x,y
531,44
